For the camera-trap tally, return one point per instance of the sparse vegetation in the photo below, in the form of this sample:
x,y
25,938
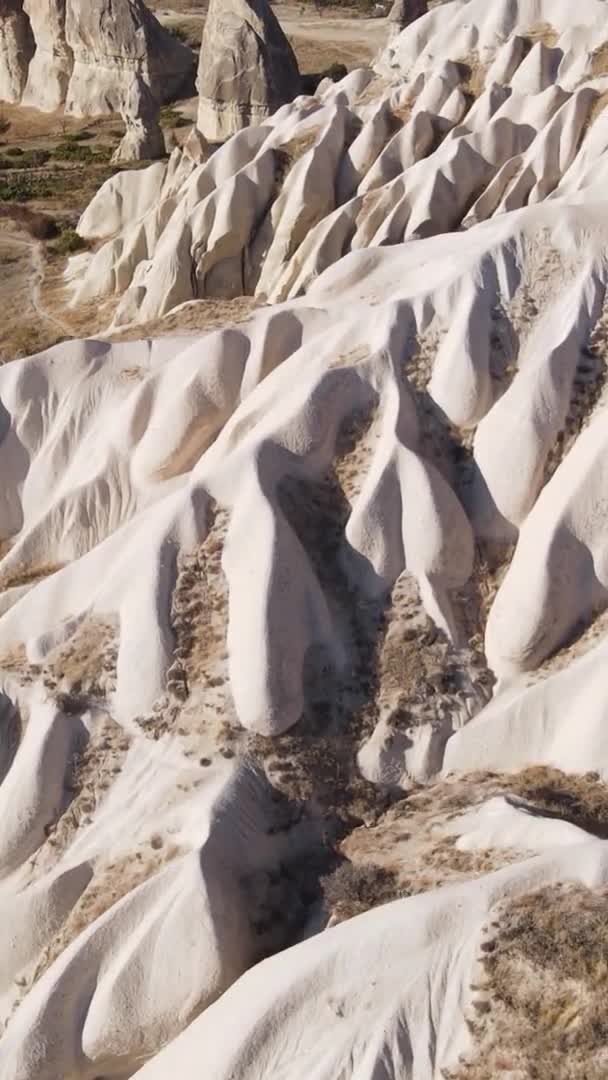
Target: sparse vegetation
x,y
543,33
39,226
27,575
171,118
74,150
542,1010
335,72
599,61
188,31
473,75
16,158
353,888
580,799
68,242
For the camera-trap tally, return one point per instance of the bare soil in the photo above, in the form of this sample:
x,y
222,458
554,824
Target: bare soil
x,y
43,192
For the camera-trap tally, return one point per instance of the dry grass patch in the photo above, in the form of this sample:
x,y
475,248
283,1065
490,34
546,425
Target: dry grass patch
x,y
353,888
597,109
543,1007
581,799
195,317
85,664
109,885
28,575
599,60
415,840
473,75
544,33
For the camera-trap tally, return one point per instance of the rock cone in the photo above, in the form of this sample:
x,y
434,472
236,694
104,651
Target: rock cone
x,y
143,140
92,59
405,12
247,67
16,49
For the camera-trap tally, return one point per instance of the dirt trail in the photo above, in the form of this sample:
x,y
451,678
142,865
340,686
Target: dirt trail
x,y
370,33
36,255
306,27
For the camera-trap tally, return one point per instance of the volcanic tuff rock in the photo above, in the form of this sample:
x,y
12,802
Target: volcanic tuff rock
x,y
247,67
49,72
86,57
404,12
16,49
329,581
143,140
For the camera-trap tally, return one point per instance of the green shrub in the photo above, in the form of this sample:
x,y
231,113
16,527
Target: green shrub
x,y
75,151
335,72
68,242
16,158
22,186
171,118
79,136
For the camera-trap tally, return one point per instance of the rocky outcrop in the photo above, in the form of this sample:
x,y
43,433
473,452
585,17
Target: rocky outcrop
x,y
16,49
247,67
49,72
404,12
113,41
113,56
143,140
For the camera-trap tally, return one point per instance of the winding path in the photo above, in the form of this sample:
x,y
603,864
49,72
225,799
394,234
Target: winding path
x,y
35,249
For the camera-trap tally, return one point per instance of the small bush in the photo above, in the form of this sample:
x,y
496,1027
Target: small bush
x,y
354,888
580,799
79,136
22,187
68,243
75,151
188,32
16,158
335,72
171,118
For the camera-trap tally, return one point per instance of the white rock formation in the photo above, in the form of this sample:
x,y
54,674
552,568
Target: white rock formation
x,y
359,537
50,69
405,12
16,49
422,156
93,59
143,139
247,67
387,992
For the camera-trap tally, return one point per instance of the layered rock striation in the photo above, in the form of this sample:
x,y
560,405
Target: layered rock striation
x,y
247,67
92,59
404,12
16,49
259,585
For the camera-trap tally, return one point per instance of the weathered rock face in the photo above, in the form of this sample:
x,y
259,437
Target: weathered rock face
x,y
16,49
113,41
404,12
51,66
92,58
143,140
247,67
